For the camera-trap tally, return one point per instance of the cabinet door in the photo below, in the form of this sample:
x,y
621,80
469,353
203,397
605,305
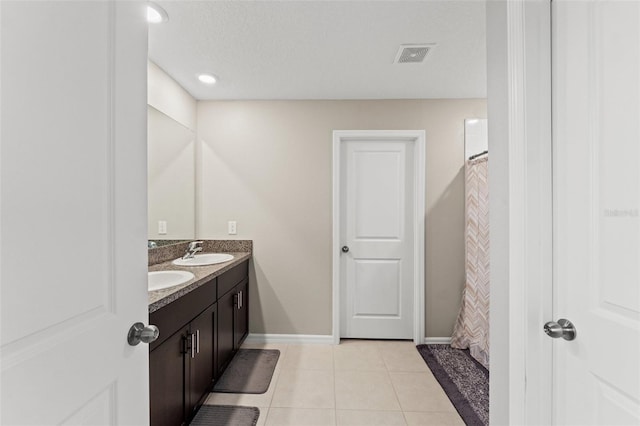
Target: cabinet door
x,y
202,359
166,381
241,324
226,312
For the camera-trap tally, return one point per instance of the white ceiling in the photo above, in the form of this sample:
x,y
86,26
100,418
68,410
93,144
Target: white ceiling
x,y
322,49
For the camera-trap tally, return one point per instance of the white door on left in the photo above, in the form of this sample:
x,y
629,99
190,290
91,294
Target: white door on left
x,y
73,212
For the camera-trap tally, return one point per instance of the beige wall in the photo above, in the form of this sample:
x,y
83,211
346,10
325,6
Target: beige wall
x,y
267,165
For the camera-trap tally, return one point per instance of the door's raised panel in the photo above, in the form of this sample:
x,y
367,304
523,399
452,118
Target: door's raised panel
x,y
377,288
378,193
616,135
44,209
99,411
615,408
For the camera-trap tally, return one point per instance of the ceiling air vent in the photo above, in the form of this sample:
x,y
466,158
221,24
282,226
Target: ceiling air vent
x,y
412,53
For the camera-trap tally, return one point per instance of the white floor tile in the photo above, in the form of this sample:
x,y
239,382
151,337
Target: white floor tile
x,y
301,417
420,392
403,358
369,418
308,357
433,418
358,358
304,389
365,390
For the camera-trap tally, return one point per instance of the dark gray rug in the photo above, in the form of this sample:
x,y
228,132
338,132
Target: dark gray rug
x,y
249,371
226,415
464,380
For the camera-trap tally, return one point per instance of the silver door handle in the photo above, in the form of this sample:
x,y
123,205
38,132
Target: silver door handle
x,y
197,341
241,300
139,333
563,328
193,345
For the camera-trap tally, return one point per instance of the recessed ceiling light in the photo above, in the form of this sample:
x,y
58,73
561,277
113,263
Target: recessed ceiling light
x,y
156,14
207,78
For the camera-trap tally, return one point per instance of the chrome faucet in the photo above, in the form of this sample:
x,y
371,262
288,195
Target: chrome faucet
x,y
194,247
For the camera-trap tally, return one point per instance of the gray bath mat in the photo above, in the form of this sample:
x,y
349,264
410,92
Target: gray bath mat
x,y
226,415
464,380
250,371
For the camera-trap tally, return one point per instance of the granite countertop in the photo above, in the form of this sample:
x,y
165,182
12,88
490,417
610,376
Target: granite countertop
x,y
203,274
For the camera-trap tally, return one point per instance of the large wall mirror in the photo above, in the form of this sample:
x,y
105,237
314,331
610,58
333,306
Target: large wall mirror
x,y
171,178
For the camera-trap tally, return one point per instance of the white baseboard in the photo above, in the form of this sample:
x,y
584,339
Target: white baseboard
x,y
290,338
320,339
437,340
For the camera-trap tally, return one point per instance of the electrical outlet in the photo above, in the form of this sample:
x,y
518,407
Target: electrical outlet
x,y
162,227
232,227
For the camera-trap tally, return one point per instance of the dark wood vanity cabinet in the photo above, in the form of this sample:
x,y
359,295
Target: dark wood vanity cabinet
x,y
201,351
166,381
182,361
199,334
182,370
233,313
241,324
233,323
226,312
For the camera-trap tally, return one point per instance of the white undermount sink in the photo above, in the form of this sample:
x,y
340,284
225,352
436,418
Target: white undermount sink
x,y
164,279
204,259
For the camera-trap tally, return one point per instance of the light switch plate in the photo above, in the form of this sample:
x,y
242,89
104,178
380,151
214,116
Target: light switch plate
x,y
232,227
162,227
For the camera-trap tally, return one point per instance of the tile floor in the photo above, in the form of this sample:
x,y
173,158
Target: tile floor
x,y
359,382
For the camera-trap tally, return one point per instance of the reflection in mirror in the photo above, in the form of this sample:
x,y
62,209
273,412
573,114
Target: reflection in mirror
x,y
171,178
152,244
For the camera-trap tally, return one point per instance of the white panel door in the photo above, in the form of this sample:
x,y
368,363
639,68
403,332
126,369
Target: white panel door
x,y
596,119
377,220
73,205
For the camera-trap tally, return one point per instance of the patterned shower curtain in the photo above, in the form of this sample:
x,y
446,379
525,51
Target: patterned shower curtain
x,y
472,327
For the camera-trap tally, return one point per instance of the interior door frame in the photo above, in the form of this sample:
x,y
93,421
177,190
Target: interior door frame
x,y
418,138
520,176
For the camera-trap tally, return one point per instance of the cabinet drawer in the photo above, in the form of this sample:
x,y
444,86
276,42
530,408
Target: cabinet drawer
x,y
180,312
232,277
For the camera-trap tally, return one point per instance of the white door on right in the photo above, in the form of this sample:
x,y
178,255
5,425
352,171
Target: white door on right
x,y
596,159
377,218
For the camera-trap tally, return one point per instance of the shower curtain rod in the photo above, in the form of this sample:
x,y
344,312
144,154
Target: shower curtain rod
x,y
473,157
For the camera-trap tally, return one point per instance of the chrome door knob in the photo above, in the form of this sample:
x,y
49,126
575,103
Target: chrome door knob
x,y
139,333
345,249
563,328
